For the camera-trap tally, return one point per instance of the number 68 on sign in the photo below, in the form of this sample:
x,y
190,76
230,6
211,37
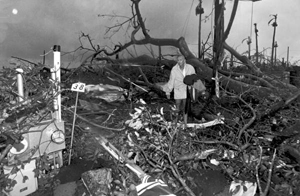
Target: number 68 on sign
x,y
79,87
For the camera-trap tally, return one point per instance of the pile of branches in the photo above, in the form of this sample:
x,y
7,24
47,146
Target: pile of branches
x,y
19,113
265,152
247,147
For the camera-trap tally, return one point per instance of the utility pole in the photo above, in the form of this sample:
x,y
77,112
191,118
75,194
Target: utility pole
x,y
274,24
250,37
256,40
249,47
200,11
44,56
231,61
287,56
263,53
275,48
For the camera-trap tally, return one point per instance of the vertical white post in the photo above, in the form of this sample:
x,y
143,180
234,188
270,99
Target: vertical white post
x,y
56,67
55,104
20,84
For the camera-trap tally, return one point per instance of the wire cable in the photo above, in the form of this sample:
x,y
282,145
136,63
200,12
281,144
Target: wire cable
x,y
183,32
212,27
251,21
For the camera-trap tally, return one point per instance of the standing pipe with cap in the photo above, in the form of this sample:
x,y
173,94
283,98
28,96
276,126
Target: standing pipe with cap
x,y
20,84
56,77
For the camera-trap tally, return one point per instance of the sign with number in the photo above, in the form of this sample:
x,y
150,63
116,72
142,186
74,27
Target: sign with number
x,y
79,87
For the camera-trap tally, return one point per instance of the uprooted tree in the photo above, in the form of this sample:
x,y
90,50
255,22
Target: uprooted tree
x,y
255,81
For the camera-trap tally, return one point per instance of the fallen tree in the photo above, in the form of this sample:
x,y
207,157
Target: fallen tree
x,y
259,84
265,86
251,103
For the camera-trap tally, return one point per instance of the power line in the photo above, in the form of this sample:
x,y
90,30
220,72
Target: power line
x,y
187,20
251,21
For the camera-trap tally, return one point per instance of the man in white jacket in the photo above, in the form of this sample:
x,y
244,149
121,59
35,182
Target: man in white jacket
x,y
178,72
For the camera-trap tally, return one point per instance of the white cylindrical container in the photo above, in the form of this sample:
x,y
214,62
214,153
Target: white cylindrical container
x,y
20,84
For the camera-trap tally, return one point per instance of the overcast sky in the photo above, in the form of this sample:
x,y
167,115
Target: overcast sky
x,y
40,24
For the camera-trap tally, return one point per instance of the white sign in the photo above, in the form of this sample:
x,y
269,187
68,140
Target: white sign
x,y
79,87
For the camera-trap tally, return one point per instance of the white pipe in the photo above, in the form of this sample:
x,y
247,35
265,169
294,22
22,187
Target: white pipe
x,y
56,55
20,84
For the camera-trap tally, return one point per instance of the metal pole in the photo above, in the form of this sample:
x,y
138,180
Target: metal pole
x,y
73,126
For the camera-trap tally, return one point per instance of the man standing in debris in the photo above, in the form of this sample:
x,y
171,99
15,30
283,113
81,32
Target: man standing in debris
x,y
178,72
